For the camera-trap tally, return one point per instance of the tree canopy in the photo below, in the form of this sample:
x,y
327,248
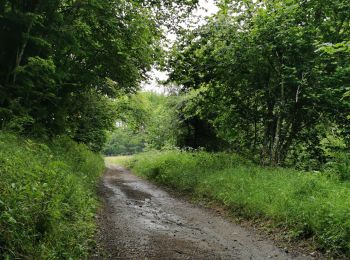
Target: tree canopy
x,y
267,74
62,60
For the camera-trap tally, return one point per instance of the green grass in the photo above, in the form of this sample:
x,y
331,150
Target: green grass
x,y
47,198
311,205
119,160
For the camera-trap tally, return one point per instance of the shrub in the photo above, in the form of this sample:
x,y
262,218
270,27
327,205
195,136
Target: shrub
x,y
47,198
340,165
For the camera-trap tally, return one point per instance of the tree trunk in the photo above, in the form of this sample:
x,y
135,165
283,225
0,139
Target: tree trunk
x,y
275,150
21,50
26,9
276,142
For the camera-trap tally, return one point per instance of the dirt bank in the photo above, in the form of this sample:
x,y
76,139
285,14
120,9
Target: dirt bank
x,y
142,221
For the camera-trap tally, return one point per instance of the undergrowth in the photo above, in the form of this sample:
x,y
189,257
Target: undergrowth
x,y
311,205
47,198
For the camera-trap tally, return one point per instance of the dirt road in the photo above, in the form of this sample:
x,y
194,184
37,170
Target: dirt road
x,y
142,221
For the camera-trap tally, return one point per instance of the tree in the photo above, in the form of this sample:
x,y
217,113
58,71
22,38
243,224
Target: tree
x,y
55,54
146,121
254,73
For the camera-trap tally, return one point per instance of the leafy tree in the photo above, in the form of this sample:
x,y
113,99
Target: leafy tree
x,y
255,74
55,55
124,141
146,121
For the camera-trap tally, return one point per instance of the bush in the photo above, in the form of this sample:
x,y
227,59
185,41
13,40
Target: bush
x,y
339,165
47,198
311,205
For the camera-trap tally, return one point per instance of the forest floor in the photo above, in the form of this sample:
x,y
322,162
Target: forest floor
x,y
142,221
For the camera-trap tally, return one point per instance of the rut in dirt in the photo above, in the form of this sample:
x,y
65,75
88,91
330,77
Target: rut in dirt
x,y
142,221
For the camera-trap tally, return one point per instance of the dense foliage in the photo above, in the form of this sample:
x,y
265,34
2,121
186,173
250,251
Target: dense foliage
x,y
270,77
61,61
308,205
47,198
145,121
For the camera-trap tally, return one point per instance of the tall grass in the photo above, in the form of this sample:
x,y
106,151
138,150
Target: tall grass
x,y
47,198
310,205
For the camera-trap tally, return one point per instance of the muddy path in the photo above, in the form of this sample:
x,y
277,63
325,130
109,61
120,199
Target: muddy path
x,y
142,221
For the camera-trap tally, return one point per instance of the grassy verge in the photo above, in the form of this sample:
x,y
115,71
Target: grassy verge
x,y
47,198
310,205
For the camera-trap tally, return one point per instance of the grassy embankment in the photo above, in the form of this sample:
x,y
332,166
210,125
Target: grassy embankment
x,y
310,205
47,198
